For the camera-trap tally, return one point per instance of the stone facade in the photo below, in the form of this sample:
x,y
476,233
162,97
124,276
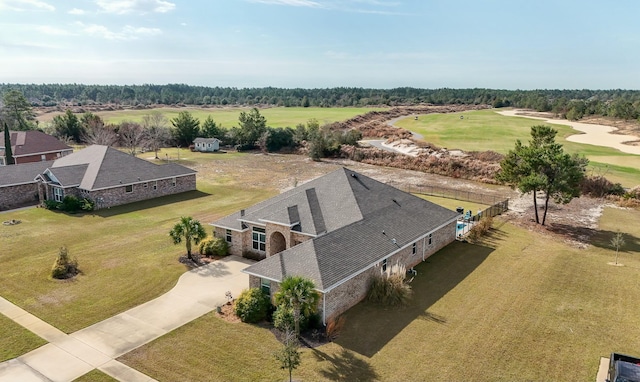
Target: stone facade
x,y
354,290
242,242
116,196
18,196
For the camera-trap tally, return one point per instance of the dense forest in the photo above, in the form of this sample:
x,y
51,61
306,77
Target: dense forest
x,y
572,104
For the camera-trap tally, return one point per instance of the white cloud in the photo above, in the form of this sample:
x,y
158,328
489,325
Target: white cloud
x,y
76,11
25,5
55,31
127,33
135,6
295,3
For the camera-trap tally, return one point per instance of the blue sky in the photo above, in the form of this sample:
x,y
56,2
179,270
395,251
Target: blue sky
x,y
324,43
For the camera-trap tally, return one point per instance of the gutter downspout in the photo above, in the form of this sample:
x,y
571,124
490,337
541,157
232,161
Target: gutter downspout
x,y
324,310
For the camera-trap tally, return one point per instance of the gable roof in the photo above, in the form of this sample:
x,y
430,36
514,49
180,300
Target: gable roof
x,y
366,221
98,167
33,142
206,140
24,173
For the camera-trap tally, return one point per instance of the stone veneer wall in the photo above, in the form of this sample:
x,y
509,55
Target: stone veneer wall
x,y
343,297
18,196
116,196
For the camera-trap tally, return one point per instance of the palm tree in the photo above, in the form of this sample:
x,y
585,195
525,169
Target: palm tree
x,y
189,230
298,293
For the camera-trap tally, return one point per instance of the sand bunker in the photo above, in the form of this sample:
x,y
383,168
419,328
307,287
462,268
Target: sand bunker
x,y
597,135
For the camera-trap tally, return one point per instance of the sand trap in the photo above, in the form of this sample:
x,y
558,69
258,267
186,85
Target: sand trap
x,y
597,135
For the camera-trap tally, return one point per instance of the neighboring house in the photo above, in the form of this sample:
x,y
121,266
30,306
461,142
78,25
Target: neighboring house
x,y
33,146
18,187
337,230
110,177
206,144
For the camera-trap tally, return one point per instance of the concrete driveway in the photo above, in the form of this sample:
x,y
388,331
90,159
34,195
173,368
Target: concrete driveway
x,y
67,357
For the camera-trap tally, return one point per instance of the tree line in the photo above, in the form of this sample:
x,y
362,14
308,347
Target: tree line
x,y
572,104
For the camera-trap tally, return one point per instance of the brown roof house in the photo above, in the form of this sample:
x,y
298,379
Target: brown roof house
x,y
18,186
33,146
110,177
337,230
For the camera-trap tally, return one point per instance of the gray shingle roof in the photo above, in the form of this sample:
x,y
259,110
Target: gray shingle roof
x,y
21,173
355,240
98,167
205,140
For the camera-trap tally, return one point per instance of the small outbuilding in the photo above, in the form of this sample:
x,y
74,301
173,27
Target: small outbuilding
x,y
206,145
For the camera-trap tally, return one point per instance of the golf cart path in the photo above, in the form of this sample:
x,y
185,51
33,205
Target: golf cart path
x,y
69,356
597,135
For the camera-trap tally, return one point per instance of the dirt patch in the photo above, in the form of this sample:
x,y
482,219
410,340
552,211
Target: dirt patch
x,y
227,314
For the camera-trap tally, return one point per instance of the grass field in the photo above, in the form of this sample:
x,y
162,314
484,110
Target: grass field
x,y
228,117
516,307
16,340
487,130
95,376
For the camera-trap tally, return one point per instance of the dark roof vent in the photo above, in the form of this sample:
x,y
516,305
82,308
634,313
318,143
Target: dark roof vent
x,y
396,202
241,212
354,175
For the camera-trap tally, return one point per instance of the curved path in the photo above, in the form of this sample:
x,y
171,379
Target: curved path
x,y
597,135
67,357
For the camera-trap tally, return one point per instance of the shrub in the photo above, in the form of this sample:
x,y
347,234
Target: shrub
x,y
51,204
334,328
283,318
599,186
389,287
252,305
70,204
216,246
64,267
87,204
480,228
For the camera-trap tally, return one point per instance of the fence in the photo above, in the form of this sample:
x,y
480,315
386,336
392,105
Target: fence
x,y
451,193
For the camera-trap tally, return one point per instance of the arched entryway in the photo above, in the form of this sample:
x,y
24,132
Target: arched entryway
x,y
277,243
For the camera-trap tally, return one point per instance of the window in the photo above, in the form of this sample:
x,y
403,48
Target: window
x,y
128,188
146,185
43,157
265,286
259,239
430,238
173,182
228,236
58,194
155,185
384,265
414,248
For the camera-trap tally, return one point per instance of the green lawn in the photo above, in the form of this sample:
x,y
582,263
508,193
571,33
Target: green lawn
x,y
487,130
452,204
16,340
518,306
228,117
95,376
125,254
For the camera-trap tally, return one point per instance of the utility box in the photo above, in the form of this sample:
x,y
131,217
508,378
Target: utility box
x,y
624,368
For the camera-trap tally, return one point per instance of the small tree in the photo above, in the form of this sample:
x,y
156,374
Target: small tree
x,y
617,242
185,128
156,131
64,267
189,230
299,294
289,356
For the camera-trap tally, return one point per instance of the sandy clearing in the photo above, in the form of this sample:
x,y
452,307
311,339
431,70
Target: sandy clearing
x,y
597,135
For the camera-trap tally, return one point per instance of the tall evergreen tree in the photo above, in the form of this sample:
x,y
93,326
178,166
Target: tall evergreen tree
x,y
8,152
185,129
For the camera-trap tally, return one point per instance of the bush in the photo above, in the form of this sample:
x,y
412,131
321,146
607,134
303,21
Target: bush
x,y
216,246
283,318
70,204
480,228
51,205
599,186
390,288
64,267
252,305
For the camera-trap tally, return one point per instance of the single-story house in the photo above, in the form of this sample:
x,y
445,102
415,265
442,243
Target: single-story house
x,y
111,177
18,187
206,144
337,230
33,146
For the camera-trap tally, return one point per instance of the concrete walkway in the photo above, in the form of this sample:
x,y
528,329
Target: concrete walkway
x,y
67,357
